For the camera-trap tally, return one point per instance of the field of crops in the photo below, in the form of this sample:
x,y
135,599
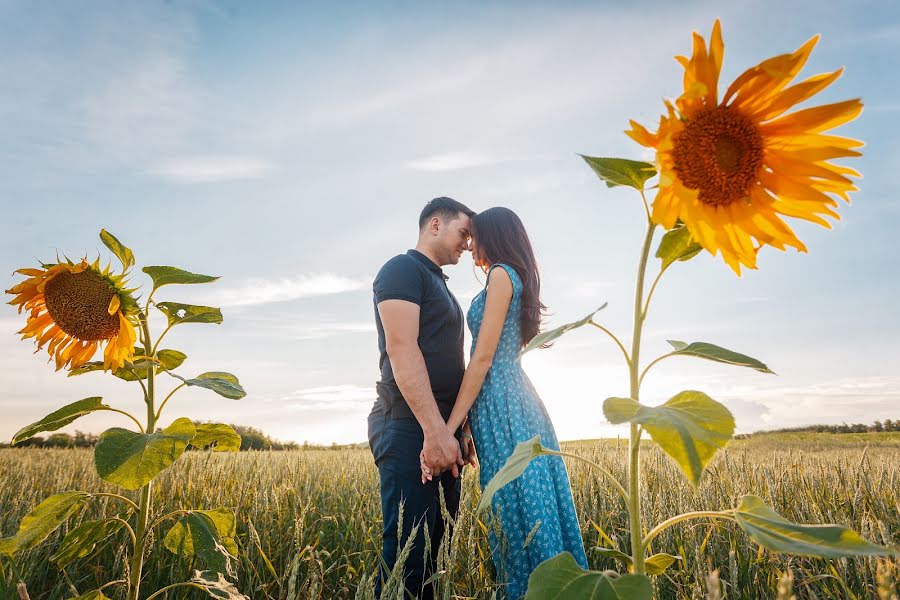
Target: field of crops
x,y
308,521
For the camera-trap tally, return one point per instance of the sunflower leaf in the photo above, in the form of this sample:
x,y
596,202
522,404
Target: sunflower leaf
x,y
548,336
717,354
769,529
614,554
168,275
207,534
561,577
690,427
658,563
61,418
122,252
224,384
130,459
621,171
81,541
677,245
44,519
513,468
221,437
92,595
168,360
217,586
178,313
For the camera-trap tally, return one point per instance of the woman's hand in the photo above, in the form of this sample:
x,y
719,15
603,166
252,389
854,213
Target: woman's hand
x,y
426,471
468,447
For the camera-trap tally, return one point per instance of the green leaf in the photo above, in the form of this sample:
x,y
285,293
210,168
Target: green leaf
x,y
92,595
658,563
168,360
82,540
690,427
717,354
769,529
621,171
217,586
514,467
44,519
676,245
207,534
560,578
7,546
131,459
222,438
614,554
61,418
122,252
168,275
224,384
548,336
178,313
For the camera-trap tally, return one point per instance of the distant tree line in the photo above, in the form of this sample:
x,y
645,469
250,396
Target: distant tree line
x,y
877,426
251,439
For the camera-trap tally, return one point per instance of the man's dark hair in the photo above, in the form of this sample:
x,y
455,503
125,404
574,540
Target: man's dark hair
x,y
445,208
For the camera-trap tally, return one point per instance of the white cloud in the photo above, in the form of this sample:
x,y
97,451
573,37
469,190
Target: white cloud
x,y
323,330
334,397
263,291
206,169
451,161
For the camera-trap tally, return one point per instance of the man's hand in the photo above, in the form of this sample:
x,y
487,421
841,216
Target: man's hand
x,y
441,452
468,447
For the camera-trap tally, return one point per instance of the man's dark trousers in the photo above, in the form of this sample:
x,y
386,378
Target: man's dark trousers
x,y
396,444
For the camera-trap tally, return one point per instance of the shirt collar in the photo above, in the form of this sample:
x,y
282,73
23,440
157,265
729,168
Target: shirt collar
x,y
427,262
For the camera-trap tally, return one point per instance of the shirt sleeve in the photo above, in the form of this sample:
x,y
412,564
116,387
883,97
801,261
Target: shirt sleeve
x,y
399,279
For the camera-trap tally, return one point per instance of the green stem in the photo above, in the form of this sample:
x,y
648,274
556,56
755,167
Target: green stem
x,y
700,514
172,393
609,475
117,497
160,338
174,513
129,415
650,293
175,585
647,368
128,529
616,340
634,472
143,517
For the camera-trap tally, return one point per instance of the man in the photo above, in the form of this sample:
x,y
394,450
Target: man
x,y
420,337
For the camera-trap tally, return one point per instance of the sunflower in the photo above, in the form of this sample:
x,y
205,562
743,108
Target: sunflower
x,y
731,170
75,308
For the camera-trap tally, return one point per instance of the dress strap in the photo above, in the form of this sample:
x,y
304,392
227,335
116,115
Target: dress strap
x,y
513,275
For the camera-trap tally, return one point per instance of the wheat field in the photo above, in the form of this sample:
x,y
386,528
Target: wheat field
x,y
309,520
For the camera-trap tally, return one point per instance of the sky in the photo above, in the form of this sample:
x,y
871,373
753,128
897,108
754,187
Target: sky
x,y
289,147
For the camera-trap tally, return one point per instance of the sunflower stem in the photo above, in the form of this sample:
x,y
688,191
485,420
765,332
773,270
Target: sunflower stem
x,y
137,556
634,473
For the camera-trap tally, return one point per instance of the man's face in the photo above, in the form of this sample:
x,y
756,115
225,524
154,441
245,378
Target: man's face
x,y
454,238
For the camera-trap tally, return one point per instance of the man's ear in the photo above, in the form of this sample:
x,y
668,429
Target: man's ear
x,y
434,224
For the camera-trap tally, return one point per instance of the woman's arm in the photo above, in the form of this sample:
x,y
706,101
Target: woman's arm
x,y
499,296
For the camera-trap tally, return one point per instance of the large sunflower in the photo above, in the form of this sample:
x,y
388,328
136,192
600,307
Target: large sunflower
x,y
76,308
730,170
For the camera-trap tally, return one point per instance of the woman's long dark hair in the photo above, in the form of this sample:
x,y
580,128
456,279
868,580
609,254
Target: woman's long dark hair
x,y
501,238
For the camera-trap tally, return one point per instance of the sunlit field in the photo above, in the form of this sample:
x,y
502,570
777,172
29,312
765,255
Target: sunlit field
x,y
309,520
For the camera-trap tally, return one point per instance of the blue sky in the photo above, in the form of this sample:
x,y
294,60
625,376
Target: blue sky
x,y
288,148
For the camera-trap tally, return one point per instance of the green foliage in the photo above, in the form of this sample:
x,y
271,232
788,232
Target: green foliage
x,y
677,245
560,577
514,467
122,252
168,275
208,535
621,171
691,427
166,360
717,354
658,563
131,459
769,529
81,541
61,417
221,438
224,384
178,313
92,595
44,519
548,336
216,586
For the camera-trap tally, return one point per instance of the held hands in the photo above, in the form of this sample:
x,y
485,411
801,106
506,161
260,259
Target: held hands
x,y
468,446
440,452
465,455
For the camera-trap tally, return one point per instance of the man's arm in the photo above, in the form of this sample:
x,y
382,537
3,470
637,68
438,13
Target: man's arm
x,y
400,320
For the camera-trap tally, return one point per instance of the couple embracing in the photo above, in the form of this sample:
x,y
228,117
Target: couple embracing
x,y
433,411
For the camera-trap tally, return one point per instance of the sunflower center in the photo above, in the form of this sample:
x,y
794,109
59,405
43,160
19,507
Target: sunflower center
x,y
719,153
78,303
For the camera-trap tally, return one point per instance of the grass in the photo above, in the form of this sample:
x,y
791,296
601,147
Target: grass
x,y
309,521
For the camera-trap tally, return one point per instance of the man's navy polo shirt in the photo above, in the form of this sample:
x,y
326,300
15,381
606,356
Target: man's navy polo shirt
x,y
414,278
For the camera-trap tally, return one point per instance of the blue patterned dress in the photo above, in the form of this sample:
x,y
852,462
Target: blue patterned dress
x,y
508,411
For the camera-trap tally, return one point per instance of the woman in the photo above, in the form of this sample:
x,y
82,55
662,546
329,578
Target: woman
x,y
503,408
